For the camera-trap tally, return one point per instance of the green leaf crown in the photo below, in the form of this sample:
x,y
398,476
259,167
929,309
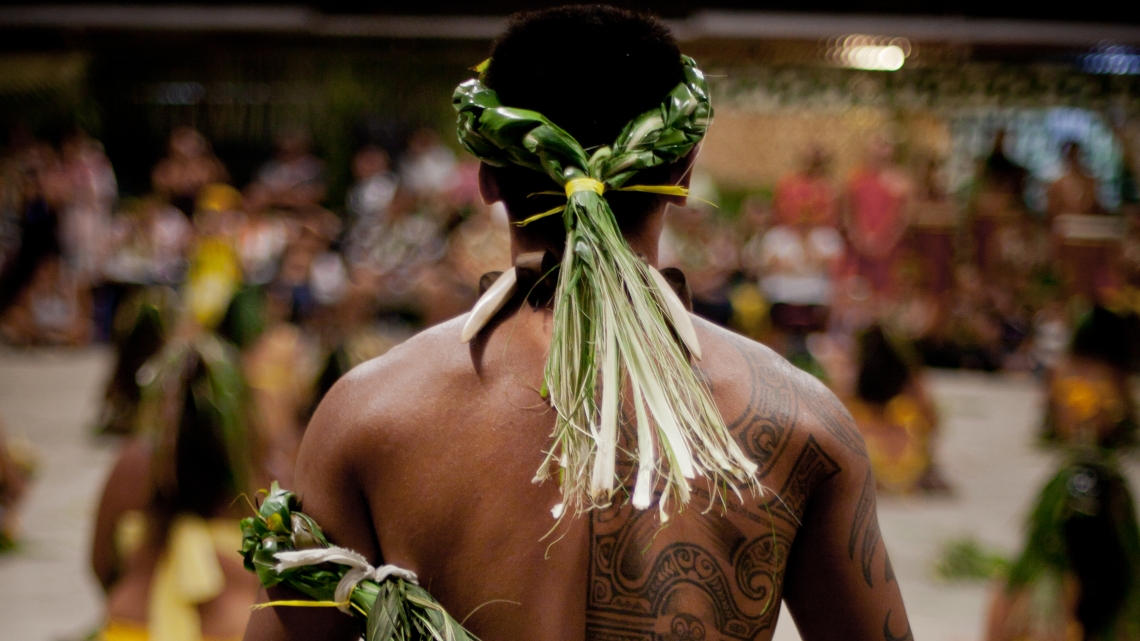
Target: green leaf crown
x,y
612,342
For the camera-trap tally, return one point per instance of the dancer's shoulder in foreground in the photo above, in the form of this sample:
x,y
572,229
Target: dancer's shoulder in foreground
x,y
424,458
694,495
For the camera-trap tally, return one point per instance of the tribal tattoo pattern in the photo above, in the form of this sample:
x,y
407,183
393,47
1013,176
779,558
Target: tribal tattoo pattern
x,y
703,576
647,585
865,529
764,427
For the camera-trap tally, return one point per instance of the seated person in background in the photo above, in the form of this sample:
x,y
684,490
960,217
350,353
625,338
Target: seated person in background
x,y
1078,576
1089,398
294,178
17,464
189,166
897,419
53,309
166,535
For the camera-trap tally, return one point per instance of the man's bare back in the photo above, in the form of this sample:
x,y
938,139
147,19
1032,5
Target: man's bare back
x,y
424,457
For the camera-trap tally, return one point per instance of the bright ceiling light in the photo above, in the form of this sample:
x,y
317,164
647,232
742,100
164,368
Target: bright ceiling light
x,y
871,53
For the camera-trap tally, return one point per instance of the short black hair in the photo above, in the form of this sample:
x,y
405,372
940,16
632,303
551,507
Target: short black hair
x,y
883,371
1104,336
589,69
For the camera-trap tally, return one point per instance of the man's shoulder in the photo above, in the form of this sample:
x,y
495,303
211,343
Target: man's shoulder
x,y
774,409
394,391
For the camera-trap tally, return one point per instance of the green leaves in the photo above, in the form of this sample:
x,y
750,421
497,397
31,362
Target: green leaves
x,y
391,610
612,321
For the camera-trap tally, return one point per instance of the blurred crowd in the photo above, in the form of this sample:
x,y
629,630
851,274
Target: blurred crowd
x,y
233,309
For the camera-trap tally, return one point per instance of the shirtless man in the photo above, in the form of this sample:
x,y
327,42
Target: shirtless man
x,y
424,457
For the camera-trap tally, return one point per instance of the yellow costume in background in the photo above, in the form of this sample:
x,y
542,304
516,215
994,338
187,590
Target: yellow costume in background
x,y
215,273
1085,400
188,574
899,472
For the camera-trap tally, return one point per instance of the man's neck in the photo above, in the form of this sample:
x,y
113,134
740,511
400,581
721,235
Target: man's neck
x,y
643,241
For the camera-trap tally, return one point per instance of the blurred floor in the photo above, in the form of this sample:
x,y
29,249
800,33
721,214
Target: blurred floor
x,y
47,592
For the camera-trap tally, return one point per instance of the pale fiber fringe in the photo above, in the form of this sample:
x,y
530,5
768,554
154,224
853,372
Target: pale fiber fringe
x,y
610,310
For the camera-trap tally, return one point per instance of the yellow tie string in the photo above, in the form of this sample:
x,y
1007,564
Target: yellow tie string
x,y
575,185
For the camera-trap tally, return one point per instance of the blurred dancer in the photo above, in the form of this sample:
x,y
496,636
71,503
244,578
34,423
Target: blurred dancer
x,y
895,415
1079,574
1089,395
189,165
878,210
142,325
166,536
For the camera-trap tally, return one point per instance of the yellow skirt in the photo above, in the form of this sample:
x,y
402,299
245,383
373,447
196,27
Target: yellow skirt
x,y
123,630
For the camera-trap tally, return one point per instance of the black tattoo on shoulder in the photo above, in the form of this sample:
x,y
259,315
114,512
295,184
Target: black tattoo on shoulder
x,y
837,421
865,528
889,636
812,466
888,571
764,427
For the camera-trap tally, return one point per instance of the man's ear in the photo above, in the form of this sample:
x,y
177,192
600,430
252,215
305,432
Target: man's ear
x,y
682,173
488,185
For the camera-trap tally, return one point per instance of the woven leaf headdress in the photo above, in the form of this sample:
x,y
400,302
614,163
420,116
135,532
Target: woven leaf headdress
x,y
614,315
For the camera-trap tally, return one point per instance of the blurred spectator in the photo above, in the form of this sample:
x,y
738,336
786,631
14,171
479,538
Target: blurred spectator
x,y
999,197
878,202
53,309
262,236
151,239
375,186
799,260
294,178
933,228
188,166
705,249
44,192
1075,191
85,222
214,272
428,169
807,195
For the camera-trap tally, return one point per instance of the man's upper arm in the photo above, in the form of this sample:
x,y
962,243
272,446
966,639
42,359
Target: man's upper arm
x,y
326,482
839,582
